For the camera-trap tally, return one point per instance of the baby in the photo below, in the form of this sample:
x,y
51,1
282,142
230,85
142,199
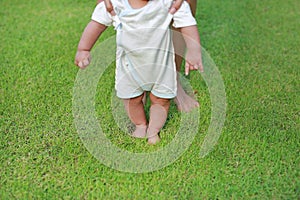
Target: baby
x,y
145,56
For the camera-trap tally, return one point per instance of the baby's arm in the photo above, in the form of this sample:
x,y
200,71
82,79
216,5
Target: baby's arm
x,y
89,37
193,53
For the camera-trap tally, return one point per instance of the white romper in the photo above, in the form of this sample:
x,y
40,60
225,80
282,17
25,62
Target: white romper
x,y
145,55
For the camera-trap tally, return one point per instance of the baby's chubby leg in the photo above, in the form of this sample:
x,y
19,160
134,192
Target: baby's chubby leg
x,y
136,113
158,116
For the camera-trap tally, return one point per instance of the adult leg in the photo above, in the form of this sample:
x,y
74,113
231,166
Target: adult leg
x,y
136,113
193,5
158,115
183,101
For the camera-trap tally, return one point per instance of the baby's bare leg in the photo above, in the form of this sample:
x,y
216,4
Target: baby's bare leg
x,y
183,101
135,110
158,116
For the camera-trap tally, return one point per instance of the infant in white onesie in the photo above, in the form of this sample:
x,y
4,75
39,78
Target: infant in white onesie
x,y
145,56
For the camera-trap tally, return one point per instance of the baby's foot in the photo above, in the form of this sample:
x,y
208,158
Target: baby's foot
x,y
140,131
152,135
153,139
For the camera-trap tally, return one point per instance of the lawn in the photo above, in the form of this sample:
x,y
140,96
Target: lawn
x,y
255,45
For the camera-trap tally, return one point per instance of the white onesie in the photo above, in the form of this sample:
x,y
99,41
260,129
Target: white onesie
x,y
145,55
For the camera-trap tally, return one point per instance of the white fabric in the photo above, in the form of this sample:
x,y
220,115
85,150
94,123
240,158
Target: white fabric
x,y
145,56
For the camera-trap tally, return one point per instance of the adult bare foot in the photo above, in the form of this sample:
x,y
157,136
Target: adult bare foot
x,y
183,101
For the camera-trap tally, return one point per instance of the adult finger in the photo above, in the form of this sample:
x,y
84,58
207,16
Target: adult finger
x,y
175,6
109,7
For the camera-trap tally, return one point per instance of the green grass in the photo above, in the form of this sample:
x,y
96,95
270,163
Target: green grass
x,y
255,45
